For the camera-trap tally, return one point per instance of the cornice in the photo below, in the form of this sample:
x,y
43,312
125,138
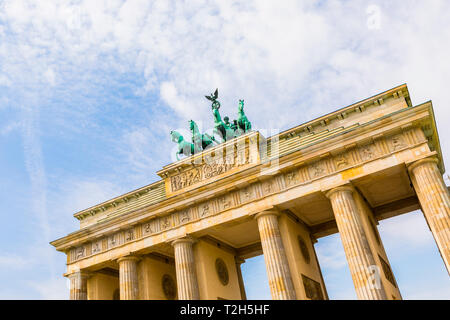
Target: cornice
x,y
396,92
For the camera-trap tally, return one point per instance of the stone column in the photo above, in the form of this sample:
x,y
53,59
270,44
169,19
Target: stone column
x,y
128,278
314,241
185,269
280,280
78,285
240,261
356,246
434,199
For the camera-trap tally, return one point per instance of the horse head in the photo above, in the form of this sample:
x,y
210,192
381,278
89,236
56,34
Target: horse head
x,y
193,127
241,105
176,137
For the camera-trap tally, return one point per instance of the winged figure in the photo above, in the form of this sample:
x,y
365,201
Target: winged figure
x,y
213,97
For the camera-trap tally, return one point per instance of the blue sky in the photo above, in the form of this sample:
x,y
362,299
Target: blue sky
x,y
89,91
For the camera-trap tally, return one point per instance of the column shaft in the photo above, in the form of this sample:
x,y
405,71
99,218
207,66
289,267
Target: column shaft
x,y
128,278
78,285
356,246
240,278
280,280
434,199
185,269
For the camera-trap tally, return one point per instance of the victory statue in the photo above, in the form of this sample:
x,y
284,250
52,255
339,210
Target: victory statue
x,y
223,129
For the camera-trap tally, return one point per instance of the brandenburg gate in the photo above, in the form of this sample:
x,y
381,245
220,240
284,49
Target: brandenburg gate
x,y
186,236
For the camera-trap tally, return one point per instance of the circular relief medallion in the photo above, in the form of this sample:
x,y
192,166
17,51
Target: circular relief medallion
x,y
304,249
169,288
222,271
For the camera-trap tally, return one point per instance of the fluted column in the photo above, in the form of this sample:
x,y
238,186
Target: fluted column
x,y
356,246
240,261
78,285
434,199
185,269
280,280
128,278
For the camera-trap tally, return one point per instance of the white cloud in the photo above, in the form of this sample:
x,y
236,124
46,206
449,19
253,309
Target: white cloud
x,y
290,63
13,261
298,56
330,253
426,292
169,94
75,194
50,76
52,289
408,232
9,127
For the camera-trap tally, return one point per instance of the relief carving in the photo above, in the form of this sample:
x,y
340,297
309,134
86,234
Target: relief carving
x,y
247,194
166,222
367,152
341,161
129,235
267,187
96,246
222,271
204,209
317,169
212,168
398,142
291,178
147,228
169,287
185,179
112,240
225,202
313,288
184,216
80,253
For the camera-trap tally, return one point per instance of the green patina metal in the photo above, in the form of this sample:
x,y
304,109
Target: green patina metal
x,y
242,121
200,141
184,147
223,130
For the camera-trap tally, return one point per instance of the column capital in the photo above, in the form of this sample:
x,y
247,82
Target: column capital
x,y
415,164
344,188
80,273
270,212
186,239
129,257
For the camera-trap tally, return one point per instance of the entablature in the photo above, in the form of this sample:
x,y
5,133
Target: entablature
x,y
337,154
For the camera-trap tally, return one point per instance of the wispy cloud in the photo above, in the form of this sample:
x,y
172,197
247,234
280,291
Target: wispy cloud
x,y
34,164
52,288
94,87
409,232
331,253
13,261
